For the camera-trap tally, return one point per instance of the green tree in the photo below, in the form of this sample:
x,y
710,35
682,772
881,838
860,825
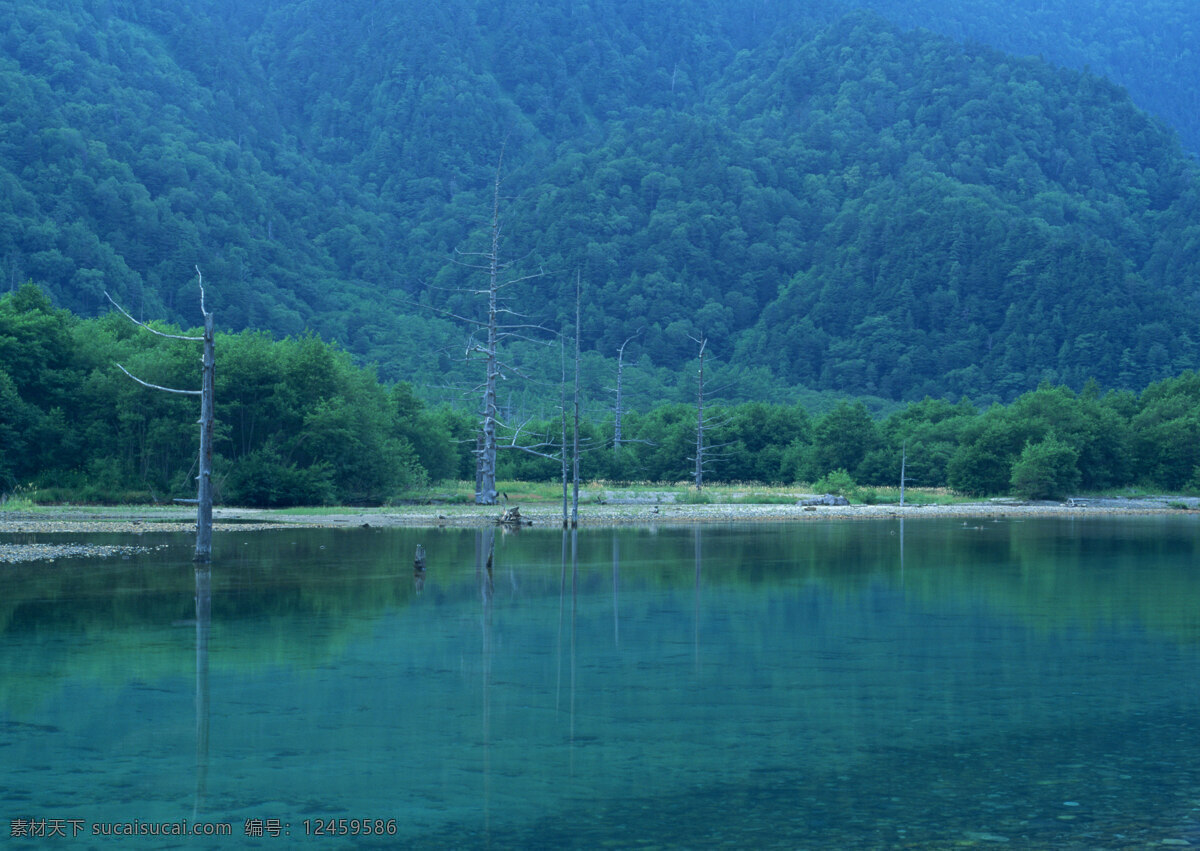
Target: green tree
x,y
1046,470
841,440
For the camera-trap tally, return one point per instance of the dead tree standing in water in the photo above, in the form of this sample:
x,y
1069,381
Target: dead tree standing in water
x,y
700,417
493,329
208,360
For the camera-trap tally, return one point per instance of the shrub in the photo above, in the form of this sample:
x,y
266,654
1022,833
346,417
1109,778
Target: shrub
x,y
262,479
1046,470
838,483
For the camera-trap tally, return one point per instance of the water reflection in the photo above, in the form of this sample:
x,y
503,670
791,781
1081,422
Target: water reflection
x,y
485,553
419,570
203,628
697,559
616,589
786,677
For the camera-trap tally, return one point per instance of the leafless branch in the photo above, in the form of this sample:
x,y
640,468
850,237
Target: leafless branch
x,y
203,310
155,386
528,450
148,328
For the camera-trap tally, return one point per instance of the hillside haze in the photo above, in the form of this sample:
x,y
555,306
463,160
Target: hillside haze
x,y
839,205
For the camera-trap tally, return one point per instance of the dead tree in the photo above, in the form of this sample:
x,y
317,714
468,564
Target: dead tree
x,y
700,417
499,323
619,410
704,447
562,387
204,495
575,443
574,466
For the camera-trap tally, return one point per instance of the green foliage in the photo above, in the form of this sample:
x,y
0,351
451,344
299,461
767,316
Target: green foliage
x,y
263,478
841,440
1046,470
298,423
1166,431
836,202
837,482
844,207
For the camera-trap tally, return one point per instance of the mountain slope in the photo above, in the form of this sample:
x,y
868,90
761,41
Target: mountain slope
x,y
855,208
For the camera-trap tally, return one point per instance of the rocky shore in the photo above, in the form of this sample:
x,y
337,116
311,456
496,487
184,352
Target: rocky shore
x,y
77,522
611,514
592,513
64,522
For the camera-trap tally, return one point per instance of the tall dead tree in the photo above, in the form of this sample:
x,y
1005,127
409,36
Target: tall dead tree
x,y
619,410
499,323
575,445
700,417
562,387
486,494
208,361
706,450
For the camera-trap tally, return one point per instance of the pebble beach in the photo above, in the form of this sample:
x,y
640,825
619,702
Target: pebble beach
x,y
80,524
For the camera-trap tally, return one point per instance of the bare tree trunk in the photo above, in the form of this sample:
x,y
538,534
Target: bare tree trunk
x,y
700,420
620,409
499,326
204,507
562,356
478,466
204,494
903,464
575,447
486,494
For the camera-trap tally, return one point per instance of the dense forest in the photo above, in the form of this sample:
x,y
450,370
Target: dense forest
x,y
300,423
838,203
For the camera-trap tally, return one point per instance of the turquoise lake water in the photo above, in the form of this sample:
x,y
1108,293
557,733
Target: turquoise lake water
x,y
816,685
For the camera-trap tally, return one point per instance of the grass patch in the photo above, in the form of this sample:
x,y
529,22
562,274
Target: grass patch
x,y
27,498
763,499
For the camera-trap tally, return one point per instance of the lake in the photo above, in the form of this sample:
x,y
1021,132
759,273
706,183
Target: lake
x,y
815,685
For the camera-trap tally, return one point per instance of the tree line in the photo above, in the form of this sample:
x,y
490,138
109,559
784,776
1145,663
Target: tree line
x,y
299,422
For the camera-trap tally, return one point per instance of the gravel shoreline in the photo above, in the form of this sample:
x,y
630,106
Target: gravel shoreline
x,y
152,520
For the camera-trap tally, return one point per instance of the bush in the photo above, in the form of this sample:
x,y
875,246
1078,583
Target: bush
x,y
262,479
838,483
1046,470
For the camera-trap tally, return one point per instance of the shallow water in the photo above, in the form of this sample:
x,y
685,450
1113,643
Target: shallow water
x,y
839,685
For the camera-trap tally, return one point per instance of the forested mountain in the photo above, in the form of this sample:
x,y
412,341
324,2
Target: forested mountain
x,y
833,201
